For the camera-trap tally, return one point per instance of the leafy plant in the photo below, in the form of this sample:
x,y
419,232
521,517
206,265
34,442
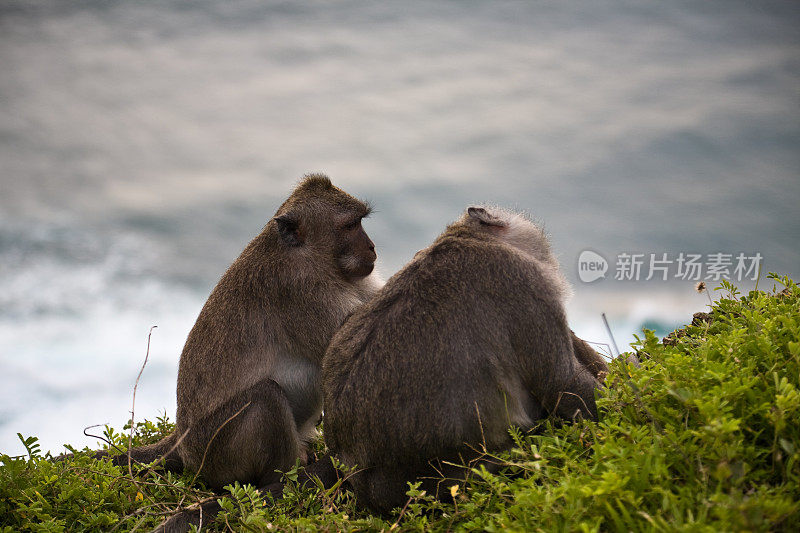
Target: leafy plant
x,y
703,436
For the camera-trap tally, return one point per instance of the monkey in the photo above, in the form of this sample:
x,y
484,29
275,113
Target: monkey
x,y
261,336
509,236
249,392
463,342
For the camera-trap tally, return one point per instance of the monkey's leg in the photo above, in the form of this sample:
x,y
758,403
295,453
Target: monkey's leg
x,y
201,513
322,470
439,476
382,488
208,508
246,439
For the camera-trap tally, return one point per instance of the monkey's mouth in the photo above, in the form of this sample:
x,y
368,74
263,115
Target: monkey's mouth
x,y
354,267
364,270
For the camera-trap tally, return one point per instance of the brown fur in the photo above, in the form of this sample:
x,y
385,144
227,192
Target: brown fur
x,y
468,339
257,345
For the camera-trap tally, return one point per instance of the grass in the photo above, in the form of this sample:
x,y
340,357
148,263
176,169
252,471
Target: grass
x,y
703,436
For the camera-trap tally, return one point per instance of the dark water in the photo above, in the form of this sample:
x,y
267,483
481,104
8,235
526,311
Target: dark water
x,y
143,144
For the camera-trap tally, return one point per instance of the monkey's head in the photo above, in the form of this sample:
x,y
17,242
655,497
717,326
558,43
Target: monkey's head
x,y
516,230
506,226
324,221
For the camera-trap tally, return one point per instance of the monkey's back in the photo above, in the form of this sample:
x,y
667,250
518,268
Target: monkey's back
x,y
243,328
439,340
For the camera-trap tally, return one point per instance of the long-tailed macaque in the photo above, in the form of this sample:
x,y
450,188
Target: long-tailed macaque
x,y
469,338
249,389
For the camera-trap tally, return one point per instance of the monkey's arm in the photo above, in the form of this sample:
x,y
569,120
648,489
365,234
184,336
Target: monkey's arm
x,y
589,358
564,384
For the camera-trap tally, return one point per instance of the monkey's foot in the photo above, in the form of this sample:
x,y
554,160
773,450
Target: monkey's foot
x,y
198,514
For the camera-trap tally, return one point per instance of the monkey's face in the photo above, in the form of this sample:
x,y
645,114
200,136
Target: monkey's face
x,y
355,251
325,219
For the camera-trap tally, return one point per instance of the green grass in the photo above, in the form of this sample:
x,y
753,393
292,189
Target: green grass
x,y
704,436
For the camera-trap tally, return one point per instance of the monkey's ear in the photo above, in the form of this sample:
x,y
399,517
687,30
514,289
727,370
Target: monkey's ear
x,y
485,218
289,230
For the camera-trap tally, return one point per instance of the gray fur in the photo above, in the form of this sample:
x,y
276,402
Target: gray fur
x,y
469,338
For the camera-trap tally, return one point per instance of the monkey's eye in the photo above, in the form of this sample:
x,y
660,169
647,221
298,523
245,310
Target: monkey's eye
x,y
353,224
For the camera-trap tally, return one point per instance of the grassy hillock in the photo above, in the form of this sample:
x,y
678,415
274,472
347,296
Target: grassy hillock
x,y
703,436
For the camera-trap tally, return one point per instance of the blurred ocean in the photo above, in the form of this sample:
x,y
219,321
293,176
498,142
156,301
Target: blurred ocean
x,y
142,144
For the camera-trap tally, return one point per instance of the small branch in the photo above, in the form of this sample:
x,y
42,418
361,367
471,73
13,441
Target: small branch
x,y
607,346
133,411
133,402
480,425
400,516
610,335
99,437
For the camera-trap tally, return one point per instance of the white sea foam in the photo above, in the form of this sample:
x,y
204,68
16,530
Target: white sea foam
x,y
661,310
61,374
75,311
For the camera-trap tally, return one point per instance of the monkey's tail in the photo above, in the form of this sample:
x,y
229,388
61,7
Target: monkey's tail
x,y
166,450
